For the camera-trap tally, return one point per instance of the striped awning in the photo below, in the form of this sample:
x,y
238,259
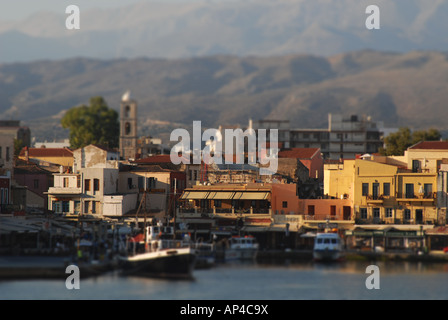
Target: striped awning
x,y
220,195
194,195
251,195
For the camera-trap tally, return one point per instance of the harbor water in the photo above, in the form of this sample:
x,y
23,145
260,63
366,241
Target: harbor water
x,y
252,281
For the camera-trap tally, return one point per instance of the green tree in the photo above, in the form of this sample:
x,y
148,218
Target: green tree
x,y
93,124
397,142
430,135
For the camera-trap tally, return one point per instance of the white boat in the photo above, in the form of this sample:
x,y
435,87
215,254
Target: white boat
x,y
160,255
241,248
328,247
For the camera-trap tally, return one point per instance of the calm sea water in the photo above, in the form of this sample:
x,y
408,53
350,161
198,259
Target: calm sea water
x,y
286,281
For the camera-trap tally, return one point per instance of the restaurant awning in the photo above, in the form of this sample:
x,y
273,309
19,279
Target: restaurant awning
x,y
192,195
251,195
220,195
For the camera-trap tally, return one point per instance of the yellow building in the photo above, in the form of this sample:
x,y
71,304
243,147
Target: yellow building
x,y
383,193
426,156
48,156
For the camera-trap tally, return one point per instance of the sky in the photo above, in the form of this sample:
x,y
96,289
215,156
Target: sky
x,y
18,10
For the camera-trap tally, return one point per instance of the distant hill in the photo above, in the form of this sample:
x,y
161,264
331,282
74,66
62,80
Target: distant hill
x,y
173,29
399,89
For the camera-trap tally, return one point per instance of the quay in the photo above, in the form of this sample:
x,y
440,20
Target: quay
x,y
49,267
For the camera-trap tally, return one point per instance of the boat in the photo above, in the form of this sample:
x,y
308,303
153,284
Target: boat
x,y
328,247
241,248
159,255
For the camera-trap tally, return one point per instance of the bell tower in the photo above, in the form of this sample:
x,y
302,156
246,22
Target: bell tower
x,y
128,127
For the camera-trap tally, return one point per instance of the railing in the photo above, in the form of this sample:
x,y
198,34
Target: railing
x,y
215,210
417,196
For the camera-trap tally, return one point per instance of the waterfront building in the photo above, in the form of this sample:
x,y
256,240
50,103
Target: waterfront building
x,y
383,193
80,190
150,188
271,212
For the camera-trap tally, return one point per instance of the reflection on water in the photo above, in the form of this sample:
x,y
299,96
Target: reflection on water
x,y
285,281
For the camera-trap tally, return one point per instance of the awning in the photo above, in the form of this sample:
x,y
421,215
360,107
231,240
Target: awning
x,y
251,195
220,195
191,195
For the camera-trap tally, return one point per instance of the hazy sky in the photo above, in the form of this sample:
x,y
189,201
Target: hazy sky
x,y
16,10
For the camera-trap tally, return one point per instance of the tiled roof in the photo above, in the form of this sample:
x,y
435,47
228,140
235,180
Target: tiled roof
x,y
433,145
47,152
298,153
160,158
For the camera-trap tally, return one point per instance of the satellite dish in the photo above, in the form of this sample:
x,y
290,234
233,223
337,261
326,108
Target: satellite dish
x,y
126,96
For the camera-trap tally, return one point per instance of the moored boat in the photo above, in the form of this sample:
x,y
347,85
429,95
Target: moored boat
x,y
328,247
161,256
241,248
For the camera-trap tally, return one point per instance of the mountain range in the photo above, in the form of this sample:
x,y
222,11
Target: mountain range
x,y
400,89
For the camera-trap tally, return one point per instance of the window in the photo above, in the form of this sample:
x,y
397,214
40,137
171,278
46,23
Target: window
x,y
93,206
140,181
363,213
129,183
87,184
127,128
96,185
365,189
151,183
36,183
311,210
86,206
77,206
375,190
285,204
57,206
415,165
409,190
7,154
65,206
386,188
333,210
389,212
407,214
65,183
428,189
376,212
218,203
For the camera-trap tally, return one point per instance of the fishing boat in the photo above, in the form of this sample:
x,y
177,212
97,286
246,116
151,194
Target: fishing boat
x,y
241,248
159,255
328,247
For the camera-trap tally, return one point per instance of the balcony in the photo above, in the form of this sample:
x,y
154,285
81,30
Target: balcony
x,y
64,190
375,199
429,197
